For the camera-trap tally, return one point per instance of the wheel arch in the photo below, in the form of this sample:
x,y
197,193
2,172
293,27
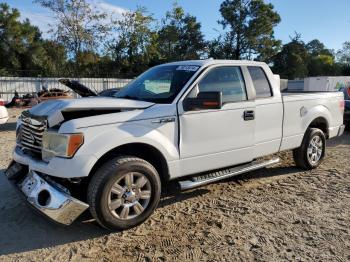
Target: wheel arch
x,y
317,117
142,150
320,123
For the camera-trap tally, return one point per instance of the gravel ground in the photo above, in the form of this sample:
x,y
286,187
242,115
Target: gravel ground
x,y
278,213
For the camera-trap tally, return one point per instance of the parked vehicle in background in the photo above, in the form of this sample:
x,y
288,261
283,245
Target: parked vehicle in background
x,y
32,99
346,91
194,121
52,94
4,116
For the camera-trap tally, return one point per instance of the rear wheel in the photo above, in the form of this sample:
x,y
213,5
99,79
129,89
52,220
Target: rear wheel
x,y
124,192
312,150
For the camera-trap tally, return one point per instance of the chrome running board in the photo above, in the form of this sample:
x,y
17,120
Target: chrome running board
x,y
226,173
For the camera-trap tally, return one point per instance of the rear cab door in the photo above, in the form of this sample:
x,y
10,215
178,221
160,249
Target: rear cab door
x,y
268,110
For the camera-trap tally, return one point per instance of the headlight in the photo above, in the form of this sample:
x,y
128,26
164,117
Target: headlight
x,y
62,145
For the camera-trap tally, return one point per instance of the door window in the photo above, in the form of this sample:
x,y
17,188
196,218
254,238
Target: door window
x,y
228,80
261,84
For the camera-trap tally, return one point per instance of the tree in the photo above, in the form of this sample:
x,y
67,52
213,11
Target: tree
x,y
298,60
321,65
21,45
316,47
79,27
135,45
54,61
343,55
343,59
180,36
249,31
321,60
291,62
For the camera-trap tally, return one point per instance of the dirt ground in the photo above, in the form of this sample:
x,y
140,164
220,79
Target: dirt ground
x,y
278,213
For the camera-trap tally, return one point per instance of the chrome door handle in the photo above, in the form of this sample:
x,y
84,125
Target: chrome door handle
x,y
164,120
249,115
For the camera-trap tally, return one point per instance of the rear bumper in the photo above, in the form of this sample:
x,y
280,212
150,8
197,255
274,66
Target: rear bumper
x,y
44,195
336,131
341,130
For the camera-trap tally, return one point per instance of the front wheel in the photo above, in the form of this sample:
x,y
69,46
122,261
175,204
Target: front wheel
x,y
124,192
312,150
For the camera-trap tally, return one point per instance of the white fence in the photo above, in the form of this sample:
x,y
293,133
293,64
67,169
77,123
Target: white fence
x,y
28,85
295,85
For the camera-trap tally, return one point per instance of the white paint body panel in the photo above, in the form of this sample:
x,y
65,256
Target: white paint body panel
x,y
268,119
229,140
53,108
194,141
4,116
268,130
315,105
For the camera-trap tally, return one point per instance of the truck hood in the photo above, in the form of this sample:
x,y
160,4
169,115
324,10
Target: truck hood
x,y
57,111
77,87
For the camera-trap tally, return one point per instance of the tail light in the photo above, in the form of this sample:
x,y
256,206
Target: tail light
x,y
2,103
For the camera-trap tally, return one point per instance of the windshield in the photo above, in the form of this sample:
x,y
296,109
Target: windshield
x,y
158,84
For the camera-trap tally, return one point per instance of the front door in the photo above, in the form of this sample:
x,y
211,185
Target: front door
x,y
212,139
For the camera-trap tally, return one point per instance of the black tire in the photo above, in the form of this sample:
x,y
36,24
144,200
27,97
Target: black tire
x,y
300,154
99,191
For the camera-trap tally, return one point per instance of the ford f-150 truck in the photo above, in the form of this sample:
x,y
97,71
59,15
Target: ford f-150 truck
x,y
196,122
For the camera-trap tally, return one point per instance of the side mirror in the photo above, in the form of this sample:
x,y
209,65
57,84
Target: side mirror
x,y
204,100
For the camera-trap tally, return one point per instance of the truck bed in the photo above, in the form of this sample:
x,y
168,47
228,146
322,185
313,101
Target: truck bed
x,y
300,109
291,92
311,95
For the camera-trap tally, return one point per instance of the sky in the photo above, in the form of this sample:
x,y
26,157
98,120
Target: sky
x,y
326,20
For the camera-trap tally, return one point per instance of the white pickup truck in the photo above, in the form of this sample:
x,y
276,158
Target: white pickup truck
x,y
194,121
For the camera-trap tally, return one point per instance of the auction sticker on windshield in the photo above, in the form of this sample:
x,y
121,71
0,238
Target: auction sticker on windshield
x,y
187,68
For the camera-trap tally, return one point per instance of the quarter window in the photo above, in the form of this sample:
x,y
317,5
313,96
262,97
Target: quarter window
x,y
261,84
228,80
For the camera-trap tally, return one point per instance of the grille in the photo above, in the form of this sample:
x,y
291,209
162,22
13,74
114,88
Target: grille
x,y
31,133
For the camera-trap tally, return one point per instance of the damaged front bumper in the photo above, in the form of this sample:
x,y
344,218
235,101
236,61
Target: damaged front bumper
x,y
45,195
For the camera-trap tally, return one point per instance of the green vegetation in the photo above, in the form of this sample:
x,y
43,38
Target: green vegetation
x,y
249,31
85,42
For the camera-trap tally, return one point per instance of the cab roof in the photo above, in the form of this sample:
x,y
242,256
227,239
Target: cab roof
x,y
208,62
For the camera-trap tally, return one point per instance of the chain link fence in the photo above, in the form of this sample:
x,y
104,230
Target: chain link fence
x,y
31,85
